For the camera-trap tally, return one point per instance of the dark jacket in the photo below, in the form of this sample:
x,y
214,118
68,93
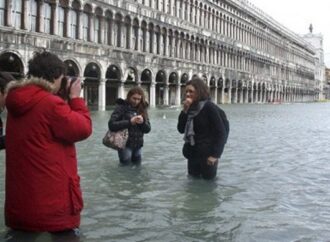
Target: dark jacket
x,y
120,119
42,182
210,132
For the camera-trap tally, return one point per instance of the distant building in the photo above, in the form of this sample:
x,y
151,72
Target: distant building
x,y
316,40
244,55
327,83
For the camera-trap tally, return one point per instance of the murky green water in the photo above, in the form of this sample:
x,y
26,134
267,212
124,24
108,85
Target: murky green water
x,y
273,181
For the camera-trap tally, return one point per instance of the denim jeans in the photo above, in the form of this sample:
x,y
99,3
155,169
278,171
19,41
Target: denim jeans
x,y
129,155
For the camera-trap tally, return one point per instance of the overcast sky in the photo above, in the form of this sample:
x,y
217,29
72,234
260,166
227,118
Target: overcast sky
x,y
297,15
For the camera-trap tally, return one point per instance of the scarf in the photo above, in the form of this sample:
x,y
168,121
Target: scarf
x,y
189,129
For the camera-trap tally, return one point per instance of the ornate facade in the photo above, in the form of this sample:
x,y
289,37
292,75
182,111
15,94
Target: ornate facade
x,y
243,54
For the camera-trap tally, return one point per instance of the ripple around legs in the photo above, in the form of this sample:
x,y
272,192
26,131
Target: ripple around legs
x,y
272,185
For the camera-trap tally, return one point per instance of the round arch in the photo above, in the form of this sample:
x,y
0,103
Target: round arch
x,y
92,74
72,68
12,63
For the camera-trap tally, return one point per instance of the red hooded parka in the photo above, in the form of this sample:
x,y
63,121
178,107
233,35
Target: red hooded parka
x,y
42,183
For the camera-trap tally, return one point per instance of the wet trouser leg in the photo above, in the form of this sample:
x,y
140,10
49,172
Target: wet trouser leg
x,y
199,167
136,156
194,167
125,155
209,171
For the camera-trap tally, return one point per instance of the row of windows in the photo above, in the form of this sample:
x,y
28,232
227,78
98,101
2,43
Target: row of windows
x,y
120,32
220,23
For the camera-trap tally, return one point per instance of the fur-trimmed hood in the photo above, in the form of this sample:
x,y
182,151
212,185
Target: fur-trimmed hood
x,y
24,95
46,85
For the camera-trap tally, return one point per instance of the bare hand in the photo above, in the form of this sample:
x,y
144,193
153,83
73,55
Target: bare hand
x,y
186,104
75,88
138,119
211,161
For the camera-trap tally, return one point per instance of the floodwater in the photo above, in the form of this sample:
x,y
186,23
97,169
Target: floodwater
x,y
272,184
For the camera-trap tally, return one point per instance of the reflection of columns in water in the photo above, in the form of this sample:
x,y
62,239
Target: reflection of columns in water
x,y
102,95
121,91
152,94
166,94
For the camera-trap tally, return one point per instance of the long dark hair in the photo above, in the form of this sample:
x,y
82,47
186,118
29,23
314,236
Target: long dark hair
x,y
200,87
143,105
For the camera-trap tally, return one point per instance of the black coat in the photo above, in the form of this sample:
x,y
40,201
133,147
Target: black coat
x,y
210,132
120,119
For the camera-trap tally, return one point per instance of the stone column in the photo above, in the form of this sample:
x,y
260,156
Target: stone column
x,y
216,94
147,41
235,99
53,28
171,2
241,96
188,50
102,93
165,37
66,22
26,10
229,93
178,94
91,27
137,32
101,29
153,94
9,14
131,33
121,91
40,9
201,17
178,48
246,100
79,34
166,94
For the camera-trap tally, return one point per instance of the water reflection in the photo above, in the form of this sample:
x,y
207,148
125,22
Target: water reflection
x,y
272,184
21,236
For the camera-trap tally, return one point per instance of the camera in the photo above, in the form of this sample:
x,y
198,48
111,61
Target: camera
x,y
65,89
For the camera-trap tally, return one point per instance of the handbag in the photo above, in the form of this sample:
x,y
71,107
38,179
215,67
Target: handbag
x,y
116,140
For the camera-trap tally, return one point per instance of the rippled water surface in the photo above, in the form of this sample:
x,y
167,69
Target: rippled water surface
x,y
272,185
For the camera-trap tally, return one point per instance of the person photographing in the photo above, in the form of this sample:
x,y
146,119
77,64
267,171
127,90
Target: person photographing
x,y
42,189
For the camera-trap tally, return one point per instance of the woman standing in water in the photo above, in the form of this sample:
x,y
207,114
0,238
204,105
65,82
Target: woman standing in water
x,y
131,114
205,129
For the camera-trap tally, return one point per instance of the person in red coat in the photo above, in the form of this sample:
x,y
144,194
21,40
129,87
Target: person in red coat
x,y
42,183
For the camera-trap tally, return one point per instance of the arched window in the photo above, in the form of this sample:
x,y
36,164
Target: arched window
x,y
17,13
2,12
33,16
85,26
60,21
47,18
73,24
